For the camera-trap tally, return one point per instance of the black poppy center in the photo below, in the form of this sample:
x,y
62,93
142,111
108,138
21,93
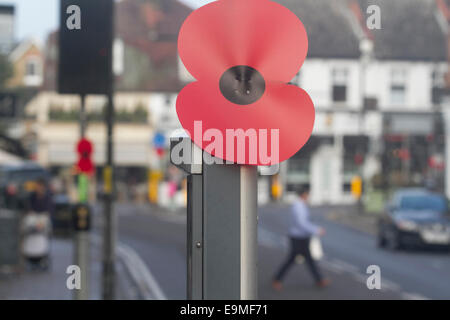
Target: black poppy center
x,y
242,85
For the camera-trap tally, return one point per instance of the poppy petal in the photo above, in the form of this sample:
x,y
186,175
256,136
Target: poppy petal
x,y
258,33
285,108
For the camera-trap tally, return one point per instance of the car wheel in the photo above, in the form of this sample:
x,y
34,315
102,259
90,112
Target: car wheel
x,y
393,240
381,240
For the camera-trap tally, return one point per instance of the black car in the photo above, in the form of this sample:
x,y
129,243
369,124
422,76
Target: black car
x,y
415,217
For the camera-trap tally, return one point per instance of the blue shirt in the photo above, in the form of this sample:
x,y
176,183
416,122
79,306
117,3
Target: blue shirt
x,y
301,226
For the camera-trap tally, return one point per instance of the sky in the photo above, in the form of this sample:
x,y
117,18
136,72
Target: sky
x,y
196,3
37,18
34,18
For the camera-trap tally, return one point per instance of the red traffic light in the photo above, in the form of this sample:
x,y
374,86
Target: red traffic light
x,y
85,150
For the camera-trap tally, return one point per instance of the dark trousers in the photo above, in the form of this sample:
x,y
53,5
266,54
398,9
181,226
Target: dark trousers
x,y
299,246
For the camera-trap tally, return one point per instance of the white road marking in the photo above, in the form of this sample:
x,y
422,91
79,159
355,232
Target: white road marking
x,y
345,266
413,296
141,274
389,285
331,266
139,271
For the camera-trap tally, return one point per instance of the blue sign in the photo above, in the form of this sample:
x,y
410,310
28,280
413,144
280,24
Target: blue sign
x,y
159,140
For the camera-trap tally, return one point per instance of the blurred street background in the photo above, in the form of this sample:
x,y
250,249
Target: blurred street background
x,y
376,164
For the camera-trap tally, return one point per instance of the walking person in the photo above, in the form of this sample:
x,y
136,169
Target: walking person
x,y
300,232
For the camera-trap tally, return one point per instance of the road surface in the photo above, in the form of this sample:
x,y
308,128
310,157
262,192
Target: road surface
x,y
159,239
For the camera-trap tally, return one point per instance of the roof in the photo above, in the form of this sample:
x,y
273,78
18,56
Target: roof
x,y
22,48
409,31
151,27
329,28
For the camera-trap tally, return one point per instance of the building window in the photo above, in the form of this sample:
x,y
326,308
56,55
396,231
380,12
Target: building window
x,y
437,86
33,72
340,79
398,86
31,68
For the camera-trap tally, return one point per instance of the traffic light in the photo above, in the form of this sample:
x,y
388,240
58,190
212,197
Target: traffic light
x,y
85,150
356,187
85,49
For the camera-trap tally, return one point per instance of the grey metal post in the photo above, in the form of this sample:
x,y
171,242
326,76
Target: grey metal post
x,y
82,261
83,117
110,223
81,246
195,237
81,226
110,219
222,226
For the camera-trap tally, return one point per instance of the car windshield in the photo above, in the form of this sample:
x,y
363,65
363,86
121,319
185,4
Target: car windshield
x,y
20,176
424,202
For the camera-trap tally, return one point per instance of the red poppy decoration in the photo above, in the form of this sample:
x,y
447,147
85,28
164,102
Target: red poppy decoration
x,y
243,54
84,150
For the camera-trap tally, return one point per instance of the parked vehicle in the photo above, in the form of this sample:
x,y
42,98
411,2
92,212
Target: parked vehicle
x,y
17,181
415,217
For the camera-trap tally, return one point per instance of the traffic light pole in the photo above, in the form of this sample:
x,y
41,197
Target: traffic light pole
x,y
81,237
110,223
81,217
83,117
221,228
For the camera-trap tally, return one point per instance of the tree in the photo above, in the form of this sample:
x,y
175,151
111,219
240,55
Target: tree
x,y
6,70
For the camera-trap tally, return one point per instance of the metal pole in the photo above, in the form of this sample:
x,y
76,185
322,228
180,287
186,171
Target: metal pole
x,y
110,224
229,231
82,261
83,117
221,225
109,230
195,237
249,243
81,246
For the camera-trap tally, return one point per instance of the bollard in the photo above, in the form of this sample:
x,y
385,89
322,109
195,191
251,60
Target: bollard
x,y
221,225
82,225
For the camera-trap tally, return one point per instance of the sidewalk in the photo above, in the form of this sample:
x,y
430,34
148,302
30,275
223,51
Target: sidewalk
x,y
51,285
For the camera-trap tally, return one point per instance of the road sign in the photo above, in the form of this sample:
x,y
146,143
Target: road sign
x,y
85,46
159,140
241,109
242,93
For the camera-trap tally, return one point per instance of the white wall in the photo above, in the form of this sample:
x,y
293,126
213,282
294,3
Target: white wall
x,y
418,84
316,78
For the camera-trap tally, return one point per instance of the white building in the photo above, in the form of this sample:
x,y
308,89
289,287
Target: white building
x,y
366,85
